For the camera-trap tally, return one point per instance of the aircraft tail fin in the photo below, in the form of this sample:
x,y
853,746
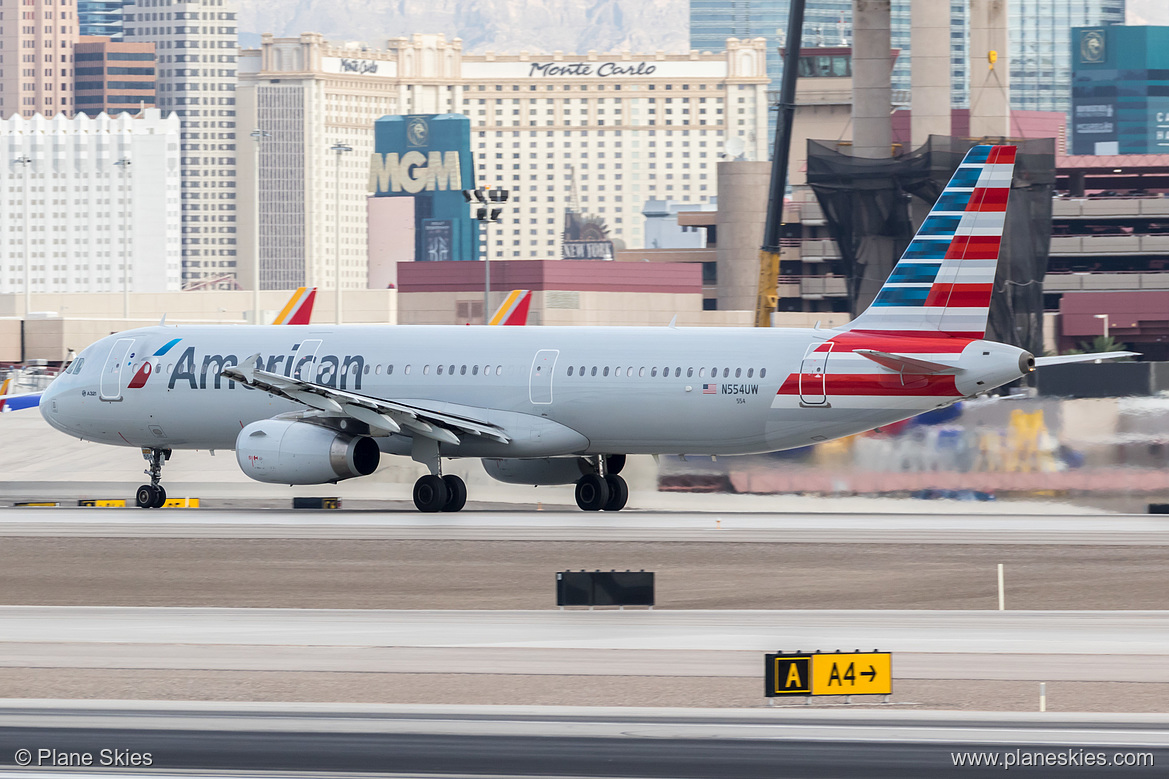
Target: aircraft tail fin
x,y
943,282
514,309
299,308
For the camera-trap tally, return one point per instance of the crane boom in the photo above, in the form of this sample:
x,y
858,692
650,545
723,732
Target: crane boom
x,y
768,298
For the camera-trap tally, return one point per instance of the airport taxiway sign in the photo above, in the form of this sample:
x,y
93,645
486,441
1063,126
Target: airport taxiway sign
x,y
788,675
868,673
835,673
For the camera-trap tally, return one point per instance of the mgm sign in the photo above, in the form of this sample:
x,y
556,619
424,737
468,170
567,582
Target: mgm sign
x,y
414,172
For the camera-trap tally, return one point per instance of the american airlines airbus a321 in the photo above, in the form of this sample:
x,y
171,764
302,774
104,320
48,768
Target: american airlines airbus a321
x,y
316,404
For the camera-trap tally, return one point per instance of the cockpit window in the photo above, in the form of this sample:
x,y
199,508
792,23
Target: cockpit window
x,y
75,366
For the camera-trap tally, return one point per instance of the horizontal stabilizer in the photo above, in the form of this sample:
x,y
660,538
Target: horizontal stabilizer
x,y
903,364
1063,359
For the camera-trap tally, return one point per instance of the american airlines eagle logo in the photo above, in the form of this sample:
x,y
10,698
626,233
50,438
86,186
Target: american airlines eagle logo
x,y
147,368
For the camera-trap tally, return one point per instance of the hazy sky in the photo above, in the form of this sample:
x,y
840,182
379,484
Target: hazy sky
x,y
1154,12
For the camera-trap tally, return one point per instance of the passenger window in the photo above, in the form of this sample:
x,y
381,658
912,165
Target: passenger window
x,y
726,373
438,368
762,372
738,372
367,367
641,373
605,372
714,373
474,370
750,372
407,369
677,373
653,373
452,370
702,373
498,370
594,370
689,372
389,369
425,370
569,370
377,371
486,370
463,371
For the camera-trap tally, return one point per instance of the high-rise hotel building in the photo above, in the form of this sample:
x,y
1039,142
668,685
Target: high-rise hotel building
x,y
95,205
36,57
195,50
603,132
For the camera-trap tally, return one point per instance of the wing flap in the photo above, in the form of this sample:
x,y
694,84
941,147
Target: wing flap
x,y
388,415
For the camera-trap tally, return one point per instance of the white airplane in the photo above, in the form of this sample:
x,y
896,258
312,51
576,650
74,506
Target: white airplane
x,y
556,405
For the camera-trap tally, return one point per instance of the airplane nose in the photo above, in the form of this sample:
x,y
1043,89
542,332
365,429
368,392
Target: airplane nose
x,y
49,398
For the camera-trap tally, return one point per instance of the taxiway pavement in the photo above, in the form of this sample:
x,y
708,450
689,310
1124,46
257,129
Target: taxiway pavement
x,y
530,525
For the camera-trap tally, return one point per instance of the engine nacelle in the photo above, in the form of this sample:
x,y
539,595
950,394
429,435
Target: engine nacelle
x,y
280,451
537,470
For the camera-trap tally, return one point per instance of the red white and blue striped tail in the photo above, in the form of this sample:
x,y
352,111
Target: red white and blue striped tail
x,y
943,282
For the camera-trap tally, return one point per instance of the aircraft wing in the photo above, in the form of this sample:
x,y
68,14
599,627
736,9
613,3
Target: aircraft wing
x,y
388,415
18,402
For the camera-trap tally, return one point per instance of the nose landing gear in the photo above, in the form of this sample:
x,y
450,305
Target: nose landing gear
x,y
153,496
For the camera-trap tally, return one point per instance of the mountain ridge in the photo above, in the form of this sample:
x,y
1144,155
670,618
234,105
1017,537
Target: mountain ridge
x,y
502,26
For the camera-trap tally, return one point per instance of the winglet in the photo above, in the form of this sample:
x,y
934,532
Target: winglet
x,y
246,370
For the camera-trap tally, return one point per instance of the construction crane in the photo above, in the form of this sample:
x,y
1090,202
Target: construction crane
x,y
768,297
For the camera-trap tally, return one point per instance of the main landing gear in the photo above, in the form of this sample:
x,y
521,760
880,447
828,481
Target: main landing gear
x,y
603,490
435,492
440,493
152,496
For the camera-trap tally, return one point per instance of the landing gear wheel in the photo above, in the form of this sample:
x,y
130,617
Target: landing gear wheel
x,y
430,493
152,496
592,492
146,496
614,463
618,493
456,493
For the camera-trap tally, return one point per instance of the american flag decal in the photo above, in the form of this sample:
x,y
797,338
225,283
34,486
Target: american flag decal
x,y
709,389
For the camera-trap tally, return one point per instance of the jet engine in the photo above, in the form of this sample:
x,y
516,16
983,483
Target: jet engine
x,y
537,470
280,451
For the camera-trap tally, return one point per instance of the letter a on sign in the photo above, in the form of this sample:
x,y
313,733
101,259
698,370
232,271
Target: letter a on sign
x,y
793,676
788,675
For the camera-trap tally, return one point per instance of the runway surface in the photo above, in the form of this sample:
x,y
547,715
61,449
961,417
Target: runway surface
x,y
531,525
494,741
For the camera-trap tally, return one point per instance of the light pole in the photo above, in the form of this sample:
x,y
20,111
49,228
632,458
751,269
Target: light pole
x,y
1105,318
489,205
339,149
25,162
257,136
124,164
